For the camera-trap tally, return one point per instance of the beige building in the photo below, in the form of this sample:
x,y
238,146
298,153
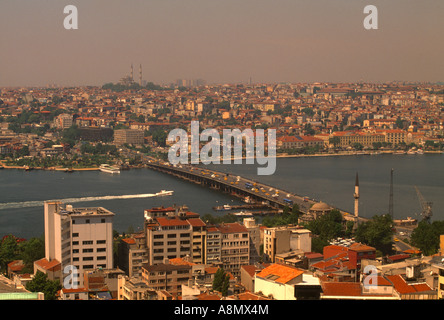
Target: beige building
x,y
235,249
132,254
213,246
78,237
166,276
348,138
285,239
168,237
199,234
134,289
63,121
255,239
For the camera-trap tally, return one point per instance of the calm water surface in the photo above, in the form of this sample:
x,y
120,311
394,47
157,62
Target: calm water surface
x,y
330,179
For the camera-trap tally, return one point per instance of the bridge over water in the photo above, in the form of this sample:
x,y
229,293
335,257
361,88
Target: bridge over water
x,y
238,186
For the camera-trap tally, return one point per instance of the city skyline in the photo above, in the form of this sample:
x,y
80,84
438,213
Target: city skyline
x,y
227,42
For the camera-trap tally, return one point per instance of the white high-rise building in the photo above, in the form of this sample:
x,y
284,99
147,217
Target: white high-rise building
x,y
78,237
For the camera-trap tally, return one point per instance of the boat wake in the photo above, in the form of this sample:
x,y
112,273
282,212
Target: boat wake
x,y
28,204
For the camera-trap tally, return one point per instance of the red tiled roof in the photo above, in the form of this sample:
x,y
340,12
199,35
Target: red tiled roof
x,y
48,265
168,222
341,288
180,261
403,287
250,296
251,269
196,222
232,228
284,273
129,240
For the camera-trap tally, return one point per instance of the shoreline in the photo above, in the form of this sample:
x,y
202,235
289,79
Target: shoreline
x,y
283,155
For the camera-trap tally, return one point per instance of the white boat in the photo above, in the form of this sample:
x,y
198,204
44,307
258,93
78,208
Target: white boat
x,y
242,214
248,200
420,151
109,169
411,151
226,207
164,193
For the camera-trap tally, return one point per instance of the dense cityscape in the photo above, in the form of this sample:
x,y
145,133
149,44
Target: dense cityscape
x,y
298,249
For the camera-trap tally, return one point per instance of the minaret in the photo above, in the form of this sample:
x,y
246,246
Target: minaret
x,y
132,74
140,75
356,196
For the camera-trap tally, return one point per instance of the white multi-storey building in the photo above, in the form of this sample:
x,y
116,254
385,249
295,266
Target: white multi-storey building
x,y
78,237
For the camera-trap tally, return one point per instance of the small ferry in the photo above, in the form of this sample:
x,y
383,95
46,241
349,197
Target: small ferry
x,y
164,193
109,169
225,207
242,214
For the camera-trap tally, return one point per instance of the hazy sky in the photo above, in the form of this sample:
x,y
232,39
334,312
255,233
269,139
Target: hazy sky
x,y
221,41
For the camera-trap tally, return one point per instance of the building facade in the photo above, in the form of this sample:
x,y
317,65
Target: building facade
x,y
79,238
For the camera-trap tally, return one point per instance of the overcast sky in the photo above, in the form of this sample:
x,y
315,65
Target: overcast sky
x,y
221,41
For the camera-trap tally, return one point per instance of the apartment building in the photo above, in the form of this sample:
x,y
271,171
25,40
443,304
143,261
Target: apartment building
x,y
129,136
168,237
285,239
78,237
255,239
235,249
213,245
63,121
199,234
166,276
132,254
134,289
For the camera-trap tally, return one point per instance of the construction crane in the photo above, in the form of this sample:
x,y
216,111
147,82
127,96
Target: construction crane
x,y
426,206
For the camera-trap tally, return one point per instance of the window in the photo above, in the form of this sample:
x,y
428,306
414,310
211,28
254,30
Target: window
x,y
172,235
75,235
87,250
75,243
101,249
87,221
88,242
88,258
158,236
172,243
101,241
102,220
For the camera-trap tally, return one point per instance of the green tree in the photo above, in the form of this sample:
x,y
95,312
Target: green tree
x,y
221,282
327,227
30,251
335,141
377,232
41,283
426,236
8,252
